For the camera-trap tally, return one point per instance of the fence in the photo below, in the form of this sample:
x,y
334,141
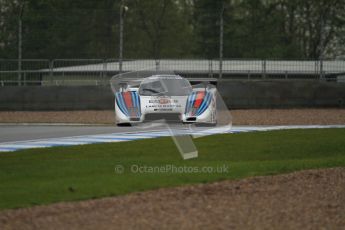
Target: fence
x,y
98,71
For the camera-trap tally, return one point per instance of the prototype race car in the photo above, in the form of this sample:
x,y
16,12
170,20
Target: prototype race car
x,y
169,97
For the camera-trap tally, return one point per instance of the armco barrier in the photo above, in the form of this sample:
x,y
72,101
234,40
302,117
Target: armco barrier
x,y
237,94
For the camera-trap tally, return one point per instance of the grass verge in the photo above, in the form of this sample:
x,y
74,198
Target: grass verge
x,y
43,176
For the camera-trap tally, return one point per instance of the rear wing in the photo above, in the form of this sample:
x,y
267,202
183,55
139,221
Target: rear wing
x,y
120,84
135,82
196,81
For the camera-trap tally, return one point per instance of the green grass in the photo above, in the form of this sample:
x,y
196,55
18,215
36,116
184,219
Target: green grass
x,y
42,176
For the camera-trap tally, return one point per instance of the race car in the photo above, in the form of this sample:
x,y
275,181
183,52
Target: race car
x,y
169,97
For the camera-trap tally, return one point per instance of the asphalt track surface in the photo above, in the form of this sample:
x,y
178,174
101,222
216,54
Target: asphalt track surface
x,y
17,137
11,133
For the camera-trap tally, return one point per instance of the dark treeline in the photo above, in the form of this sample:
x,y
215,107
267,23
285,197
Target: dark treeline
x,y
173,28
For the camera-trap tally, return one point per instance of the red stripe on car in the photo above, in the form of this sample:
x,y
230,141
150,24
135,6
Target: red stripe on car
x,y
199,98
127,96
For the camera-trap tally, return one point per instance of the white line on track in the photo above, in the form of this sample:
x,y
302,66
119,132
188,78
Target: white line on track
x,y
130,136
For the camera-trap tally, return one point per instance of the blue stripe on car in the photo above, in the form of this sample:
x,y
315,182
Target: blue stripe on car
x,y
191,102
136,102
118,104
121,104
205,104
133,99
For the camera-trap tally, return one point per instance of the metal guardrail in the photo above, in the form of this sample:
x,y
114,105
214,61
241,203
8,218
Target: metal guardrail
x,y
98,71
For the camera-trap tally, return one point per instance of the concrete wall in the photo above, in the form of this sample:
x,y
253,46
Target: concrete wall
x,y
237,94
56,98
282,94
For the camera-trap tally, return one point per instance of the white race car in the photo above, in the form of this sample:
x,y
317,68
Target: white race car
x,y
169,97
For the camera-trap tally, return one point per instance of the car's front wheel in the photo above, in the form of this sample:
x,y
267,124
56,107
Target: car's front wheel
x,y
124,124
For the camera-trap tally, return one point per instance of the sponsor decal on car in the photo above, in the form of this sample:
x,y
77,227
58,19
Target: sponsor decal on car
x,y
162,101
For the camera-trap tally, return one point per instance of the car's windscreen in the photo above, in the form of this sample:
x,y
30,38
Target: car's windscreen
x,y
165,87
